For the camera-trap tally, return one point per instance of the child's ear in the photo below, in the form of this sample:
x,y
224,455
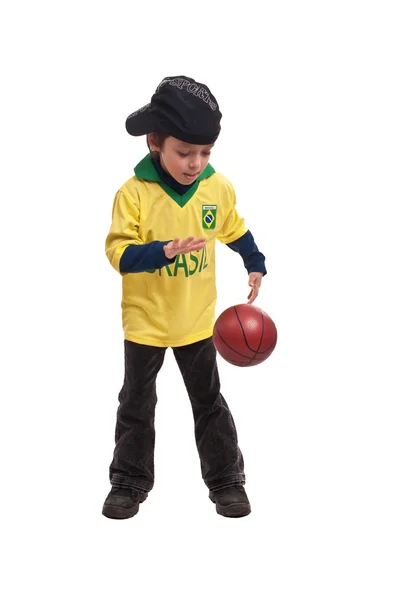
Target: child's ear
x,y
152,144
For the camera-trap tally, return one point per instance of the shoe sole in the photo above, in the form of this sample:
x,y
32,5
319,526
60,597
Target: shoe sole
x,y
233,510
118,512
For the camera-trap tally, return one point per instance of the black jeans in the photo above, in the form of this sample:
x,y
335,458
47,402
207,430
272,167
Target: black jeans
x,y
215,433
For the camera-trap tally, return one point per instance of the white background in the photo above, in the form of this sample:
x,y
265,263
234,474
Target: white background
x,y
308,91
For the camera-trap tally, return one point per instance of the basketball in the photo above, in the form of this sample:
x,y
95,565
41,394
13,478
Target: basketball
x,y
244,335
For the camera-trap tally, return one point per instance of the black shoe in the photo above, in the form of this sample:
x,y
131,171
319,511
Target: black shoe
x,y
122,503
231,501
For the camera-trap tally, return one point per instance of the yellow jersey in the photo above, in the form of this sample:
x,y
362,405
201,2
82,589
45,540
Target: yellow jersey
x,y
175,304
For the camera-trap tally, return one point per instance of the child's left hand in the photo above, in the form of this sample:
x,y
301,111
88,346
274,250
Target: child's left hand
x,y
255,280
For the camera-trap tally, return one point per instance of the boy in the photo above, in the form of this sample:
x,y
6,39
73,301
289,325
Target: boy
x,y
165,222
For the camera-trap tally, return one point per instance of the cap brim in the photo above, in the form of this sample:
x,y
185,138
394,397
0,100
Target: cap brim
x,y
140,122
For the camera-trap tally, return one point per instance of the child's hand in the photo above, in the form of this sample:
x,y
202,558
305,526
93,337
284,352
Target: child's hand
x,y
255,280
186,246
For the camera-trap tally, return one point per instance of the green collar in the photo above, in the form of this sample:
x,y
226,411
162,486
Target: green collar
x,y
146,170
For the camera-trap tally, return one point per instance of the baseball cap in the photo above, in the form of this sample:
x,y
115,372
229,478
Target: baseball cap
x,y
181,107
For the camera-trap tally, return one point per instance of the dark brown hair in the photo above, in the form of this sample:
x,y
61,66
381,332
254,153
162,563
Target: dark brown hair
x,y
159,138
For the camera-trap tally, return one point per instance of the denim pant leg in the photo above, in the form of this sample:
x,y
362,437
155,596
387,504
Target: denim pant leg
x,y
215,432
133,457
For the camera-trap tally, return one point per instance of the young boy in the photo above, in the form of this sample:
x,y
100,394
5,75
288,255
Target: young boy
x,y
165,222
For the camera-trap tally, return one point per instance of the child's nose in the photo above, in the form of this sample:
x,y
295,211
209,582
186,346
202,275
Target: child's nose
x,y
194,162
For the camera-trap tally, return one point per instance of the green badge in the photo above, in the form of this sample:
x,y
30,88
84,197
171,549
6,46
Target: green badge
x,y
209,216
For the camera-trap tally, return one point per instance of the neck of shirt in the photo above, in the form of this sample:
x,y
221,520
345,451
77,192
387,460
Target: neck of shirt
x,y
169,180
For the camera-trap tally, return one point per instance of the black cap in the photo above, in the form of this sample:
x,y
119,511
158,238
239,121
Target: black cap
x,y
181,107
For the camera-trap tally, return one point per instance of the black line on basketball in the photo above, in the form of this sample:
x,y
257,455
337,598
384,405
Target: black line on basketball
x,y
244,335
230,347
267,350
264,351
262,335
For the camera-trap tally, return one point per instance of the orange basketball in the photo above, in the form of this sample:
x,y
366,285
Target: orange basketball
x,y
244,335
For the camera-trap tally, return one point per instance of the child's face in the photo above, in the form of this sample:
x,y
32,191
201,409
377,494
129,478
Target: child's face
x,y
185,162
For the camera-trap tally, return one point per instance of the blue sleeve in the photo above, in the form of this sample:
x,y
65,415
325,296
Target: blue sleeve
x,y
144,257
252,258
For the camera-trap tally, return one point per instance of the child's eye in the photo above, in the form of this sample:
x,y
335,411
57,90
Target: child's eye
x,y
185,155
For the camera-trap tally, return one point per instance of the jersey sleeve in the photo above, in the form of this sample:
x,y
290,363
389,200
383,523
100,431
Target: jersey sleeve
x,y
124,229
124,247
234,225
253,259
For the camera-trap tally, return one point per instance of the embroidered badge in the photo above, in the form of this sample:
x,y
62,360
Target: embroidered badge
x,y
209,216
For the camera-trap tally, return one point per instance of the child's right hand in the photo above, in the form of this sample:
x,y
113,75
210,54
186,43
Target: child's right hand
x,y
190,244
